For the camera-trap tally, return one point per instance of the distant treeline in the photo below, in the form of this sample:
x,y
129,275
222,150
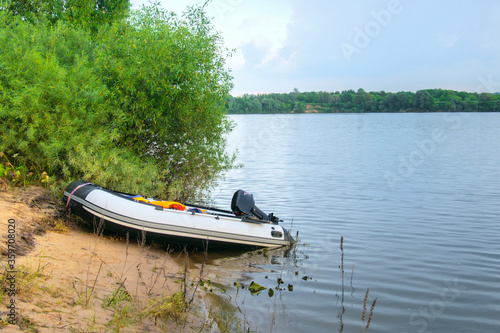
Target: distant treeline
x,y
429,100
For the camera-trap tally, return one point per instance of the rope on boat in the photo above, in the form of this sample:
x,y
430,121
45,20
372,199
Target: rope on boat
x,y
69,196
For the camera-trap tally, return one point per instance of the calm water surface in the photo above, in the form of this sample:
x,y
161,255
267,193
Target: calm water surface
x,y
416,198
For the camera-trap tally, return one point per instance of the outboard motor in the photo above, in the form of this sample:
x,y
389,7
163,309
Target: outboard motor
x,y
243,204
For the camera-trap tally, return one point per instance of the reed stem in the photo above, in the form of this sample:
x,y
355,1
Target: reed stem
x,y
342,265
371,314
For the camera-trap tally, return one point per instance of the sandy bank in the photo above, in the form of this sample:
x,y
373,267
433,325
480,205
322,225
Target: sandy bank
x,y
69,278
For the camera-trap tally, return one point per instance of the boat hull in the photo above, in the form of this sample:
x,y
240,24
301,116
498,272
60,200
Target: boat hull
x,y
118,212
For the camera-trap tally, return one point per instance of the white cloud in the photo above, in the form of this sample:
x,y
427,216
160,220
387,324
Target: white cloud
x,y
261,23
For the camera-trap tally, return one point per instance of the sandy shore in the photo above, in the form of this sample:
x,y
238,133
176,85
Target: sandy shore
x,y
69,278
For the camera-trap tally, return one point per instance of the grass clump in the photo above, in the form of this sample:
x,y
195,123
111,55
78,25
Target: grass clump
x,y
28,279
124,312
167,308
60,226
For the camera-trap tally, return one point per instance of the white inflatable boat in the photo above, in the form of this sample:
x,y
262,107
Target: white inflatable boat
x,y
173,222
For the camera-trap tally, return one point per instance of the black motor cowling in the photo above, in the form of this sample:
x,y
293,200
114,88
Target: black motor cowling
x,y
243,204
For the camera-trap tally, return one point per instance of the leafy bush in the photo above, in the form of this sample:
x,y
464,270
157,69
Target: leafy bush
x,y
137,106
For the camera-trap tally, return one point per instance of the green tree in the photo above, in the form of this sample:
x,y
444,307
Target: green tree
x,y
139,107
347,96
360,98
423,100
90,14
300,107
170,86
254,106
486,102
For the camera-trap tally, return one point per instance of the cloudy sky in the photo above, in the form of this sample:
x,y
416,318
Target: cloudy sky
x,y
334,45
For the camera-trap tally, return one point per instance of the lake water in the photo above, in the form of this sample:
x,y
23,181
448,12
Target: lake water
x,y
416,198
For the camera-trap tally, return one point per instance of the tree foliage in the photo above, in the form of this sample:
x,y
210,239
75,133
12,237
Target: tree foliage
x,y
135,104
429,100
90,14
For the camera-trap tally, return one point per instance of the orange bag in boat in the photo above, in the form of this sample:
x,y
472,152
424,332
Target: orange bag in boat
x,y
164,204
169,204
